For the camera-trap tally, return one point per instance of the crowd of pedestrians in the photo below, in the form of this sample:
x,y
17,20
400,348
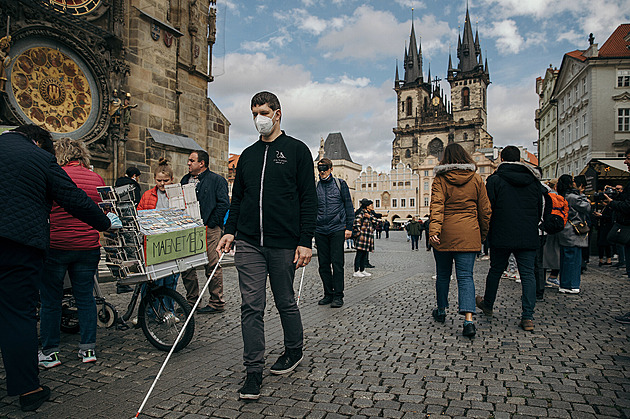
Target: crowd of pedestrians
x,y
524,226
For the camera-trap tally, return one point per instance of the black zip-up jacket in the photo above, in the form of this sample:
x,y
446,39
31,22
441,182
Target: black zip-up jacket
x,y
516,196
621,207
212,194
274,203
30,179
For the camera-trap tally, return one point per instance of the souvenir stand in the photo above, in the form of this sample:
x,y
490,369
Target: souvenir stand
x,y
153,244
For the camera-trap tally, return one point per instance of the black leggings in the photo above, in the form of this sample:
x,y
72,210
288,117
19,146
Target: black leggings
x,y
605,250
360,260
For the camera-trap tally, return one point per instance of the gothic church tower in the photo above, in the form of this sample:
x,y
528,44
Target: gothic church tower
x,y
427,120
469,82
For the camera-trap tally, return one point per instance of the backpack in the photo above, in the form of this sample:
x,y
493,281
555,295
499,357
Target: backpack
x,y
556,213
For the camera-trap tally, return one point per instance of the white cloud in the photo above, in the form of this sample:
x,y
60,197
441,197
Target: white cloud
x,y
303,20
511,114
508,40
371,34
362,112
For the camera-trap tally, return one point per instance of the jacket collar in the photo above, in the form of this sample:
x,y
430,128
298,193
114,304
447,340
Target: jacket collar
x,y
443,168
529,167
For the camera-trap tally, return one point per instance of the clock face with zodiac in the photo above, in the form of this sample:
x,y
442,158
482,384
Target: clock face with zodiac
x,y
74,7
436,100
53,88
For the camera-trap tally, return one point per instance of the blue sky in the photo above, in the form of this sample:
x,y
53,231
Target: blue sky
x,y
332,62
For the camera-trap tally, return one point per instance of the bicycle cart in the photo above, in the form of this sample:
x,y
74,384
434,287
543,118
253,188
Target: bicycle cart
x,y
151,245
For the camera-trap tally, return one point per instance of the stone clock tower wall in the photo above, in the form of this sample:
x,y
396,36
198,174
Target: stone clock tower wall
x,y
133,79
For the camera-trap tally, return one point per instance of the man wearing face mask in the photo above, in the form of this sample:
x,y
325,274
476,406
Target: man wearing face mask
x,y
271,222
335,217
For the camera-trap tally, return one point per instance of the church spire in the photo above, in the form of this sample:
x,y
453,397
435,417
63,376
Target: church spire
x,y
413,59
397,78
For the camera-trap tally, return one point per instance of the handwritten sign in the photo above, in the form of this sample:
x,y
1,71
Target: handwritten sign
x,y
175,245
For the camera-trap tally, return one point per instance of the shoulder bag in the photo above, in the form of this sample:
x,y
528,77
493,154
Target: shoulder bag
x,y
619,234
580,227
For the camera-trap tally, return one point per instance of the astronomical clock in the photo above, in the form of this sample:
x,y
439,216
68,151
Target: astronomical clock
x,y
65,62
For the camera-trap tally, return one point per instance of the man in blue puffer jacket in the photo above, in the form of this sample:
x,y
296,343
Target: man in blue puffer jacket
x,y
335,215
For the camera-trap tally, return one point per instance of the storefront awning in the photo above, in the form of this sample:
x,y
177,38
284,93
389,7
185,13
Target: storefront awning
x,y
617,164
179,141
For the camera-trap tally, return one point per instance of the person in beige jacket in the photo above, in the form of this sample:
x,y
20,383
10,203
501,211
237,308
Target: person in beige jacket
x,y
460,217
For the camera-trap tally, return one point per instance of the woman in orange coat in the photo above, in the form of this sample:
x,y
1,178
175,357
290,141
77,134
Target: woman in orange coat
x,y
460,217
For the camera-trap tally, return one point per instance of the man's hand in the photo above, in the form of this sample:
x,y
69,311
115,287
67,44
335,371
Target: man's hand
x,y
434,239
348,234
302,257
225,244
607,198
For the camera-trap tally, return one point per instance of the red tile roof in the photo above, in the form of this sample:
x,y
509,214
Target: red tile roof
x,y
577,54
616,46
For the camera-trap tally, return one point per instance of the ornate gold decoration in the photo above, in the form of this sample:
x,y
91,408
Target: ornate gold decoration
x,y
51,89
75,7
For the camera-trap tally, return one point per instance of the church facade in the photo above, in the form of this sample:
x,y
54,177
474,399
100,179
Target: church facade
x,y
127,77
427,120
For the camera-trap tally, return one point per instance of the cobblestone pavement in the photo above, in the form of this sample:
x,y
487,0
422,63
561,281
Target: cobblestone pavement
x,y
381,355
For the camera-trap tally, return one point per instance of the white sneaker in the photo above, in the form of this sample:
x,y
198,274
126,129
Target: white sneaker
x,y
48,361
87,355
366,273
358,274
569,290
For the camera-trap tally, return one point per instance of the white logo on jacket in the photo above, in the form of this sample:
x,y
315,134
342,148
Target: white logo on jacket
x,y
280,158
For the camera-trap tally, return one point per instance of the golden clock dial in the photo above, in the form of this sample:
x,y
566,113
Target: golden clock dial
x,y
51,89
74,7
436,101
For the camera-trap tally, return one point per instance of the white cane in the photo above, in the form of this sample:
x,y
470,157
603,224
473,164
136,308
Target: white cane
x,y
157,377
300,289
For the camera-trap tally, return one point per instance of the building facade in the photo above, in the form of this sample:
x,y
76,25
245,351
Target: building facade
x,y
593,98
546,123
128,77
334,148
427,120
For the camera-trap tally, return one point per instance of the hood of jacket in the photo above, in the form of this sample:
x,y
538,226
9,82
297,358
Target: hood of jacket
x,y
456,174
517,173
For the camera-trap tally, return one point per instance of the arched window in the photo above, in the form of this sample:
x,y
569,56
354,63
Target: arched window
x,y
409,105
426,103
402,106
465,136
465,97
407,153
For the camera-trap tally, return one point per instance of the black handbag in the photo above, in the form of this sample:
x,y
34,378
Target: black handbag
x,y
581,228
619,234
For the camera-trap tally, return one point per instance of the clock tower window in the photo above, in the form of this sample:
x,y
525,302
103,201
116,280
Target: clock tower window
x,y
465,97
409,106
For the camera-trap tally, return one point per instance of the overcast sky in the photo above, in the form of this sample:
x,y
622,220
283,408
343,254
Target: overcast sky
x,y
332,62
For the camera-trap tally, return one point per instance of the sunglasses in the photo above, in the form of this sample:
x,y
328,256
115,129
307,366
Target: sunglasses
x,y
323,168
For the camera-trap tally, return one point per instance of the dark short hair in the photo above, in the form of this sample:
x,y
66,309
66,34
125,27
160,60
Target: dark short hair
x,y
456,154
326,161
565,183
132,171
39,135
266,98
628,152
202,156
511,153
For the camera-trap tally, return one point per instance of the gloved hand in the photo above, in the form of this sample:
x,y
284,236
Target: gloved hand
x,y
116,223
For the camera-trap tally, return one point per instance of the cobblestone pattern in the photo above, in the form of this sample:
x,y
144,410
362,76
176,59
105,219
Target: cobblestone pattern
x,y
381,355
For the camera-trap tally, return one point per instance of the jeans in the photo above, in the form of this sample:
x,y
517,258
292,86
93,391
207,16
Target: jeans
x,y
169,282
525,262
414,241
464,263
570,267
330,255
254,264
539,271
81,266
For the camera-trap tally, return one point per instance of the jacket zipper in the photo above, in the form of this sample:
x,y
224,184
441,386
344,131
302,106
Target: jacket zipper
x,y
260,199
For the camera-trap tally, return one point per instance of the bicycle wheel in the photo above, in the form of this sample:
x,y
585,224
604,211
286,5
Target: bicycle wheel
x,y
69,319
106,315
161,315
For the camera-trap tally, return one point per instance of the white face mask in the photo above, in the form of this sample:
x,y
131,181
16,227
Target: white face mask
x,y
264,124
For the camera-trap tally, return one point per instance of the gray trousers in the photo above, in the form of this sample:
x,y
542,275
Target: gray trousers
x,y
253,264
